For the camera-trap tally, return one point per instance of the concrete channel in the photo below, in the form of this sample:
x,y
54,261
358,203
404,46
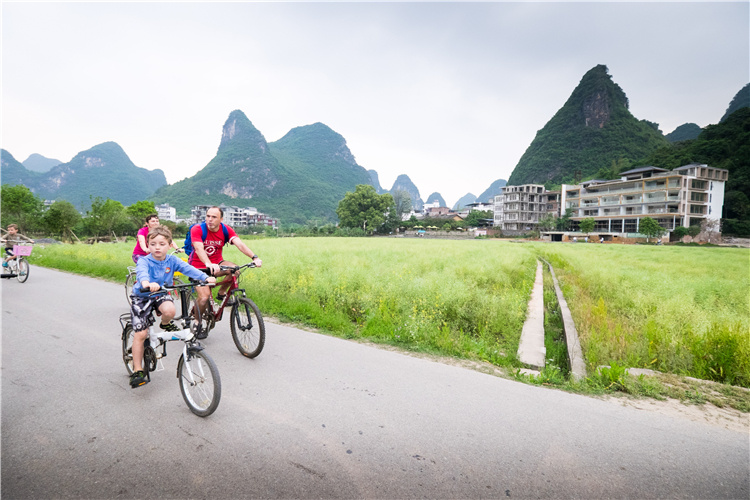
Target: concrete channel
x,y
531,350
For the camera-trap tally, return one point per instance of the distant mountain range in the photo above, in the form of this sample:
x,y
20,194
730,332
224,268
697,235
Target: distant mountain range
x,y
435,197
104,170
38,163
301,177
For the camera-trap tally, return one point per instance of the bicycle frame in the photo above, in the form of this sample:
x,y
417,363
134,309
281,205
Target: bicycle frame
x,y
191,343
218,312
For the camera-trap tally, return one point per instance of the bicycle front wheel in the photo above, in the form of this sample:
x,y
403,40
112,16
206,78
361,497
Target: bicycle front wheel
x,y
23,270
199,382
129,282
248,329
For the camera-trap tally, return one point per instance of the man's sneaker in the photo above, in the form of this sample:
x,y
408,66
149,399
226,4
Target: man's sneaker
x,y
169,327
5,264
138,379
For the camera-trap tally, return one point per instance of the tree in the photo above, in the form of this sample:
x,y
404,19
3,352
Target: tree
x,y
364,208
475,216
19,205
587,225
61,218
711,228
547,223
650,228
393,216
106,216
139,210
402,201
680,232
563,223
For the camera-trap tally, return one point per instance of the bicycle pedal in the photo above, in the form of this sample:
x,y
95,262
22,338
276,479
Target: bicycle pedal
x,y
159,365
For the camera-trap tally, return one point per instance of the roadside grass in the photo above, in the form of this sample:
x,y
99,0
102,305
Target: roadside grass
x,y
455,298
682,310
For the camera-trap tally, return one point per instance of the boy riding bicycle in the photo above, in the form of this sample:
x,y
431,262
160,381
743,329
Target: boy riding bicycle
x,y
13,238
153,271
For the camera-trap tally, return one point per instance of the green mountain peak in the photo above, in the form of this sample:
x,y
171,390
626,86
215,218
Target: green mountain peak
x,y
592,129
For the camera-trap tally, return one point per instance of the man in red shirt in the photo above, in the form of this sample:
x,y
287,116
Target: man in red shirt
x,y
207,253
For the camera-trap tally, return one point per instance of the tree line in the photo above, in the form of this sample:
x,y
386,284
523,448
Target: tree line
x,y
104,219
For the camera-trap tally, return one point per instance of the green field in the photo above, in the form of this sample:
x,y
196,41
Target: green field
x,y
683,310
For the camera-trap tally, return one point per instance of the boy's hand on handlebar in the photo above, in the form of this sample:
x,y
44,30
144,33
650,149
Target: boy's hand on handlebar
x,y
152,287
211,280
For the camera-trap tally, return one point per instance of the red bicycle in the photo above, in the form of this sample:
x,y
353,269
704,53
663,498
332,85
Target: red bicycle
x,y
246,322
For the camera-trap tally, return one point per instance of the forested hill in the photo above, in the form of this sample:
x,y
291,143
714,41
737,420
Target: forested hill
x,y
104,170
592,129
319,171
299,178
496,188
741,100
726,145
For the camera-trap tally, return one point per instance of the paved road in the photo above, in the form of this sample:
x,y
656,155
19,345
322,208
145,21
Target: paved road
x,y
315,417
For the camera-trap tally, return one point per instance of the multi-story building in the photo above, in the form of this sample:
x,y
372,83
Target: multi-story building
x,y
684,196
235,216
165,212
521,207
497,210
552,198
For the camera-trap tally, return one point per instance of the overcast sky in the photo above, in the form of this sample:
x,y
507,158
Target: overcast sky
x,y
450,94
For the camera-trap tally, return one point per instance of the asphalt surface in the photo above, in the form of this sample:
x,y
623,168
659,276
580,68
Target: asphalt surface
x,y
315,417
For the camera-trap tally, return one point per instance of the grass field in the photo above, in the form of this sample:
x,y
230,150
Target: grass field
x,y
683,310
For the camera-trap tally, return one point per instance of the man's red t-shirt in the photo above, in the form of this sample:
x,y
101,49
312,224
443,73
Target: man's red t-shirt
x,y
213,244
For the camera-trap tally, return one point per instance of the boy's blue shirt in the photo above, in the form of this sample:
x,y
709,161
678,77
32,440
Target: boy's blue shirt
x,y
162,272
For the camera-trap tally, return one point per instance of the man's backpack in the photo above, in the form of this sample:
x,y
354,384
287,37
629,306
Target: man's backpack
x,y
188,246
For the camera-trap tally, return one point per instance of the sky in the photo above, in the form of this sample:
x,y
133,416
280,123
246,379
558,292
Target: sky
x,y
450,94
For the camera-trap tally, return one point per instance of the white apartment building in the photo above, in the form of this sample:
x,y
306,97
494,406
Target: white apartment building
x,y
165,212
684,196
235,216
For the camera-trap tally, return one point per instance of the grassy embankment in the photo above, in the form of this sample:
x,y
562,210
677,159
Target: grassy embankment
x,y
683,310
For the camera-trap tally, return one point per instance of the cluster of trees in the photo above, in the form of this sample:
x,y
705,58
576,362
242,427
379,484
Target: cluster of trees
x,y
105,218
369,212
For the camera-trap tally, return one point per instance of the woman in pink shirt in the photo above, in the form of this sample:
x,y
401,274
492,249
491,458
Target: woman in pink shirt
x,y
141,247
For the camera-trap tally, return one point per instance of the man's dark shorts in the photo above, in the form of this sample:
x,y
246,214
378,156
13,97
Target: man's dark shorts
x,y
141,308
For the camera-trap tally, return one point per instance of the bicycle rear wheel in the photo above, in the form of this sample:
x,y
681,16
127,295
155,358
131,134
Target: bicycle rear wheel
x,y
129,282
127,348
23,270
248,329
200,384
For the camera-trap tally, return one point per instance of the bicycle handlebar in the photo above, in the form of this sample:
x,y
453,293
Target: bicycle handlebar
x,y
234,269
166,288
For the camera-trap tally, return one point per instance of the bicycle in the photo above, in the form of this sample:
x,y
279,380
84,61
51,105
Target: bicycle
x,y
249,336
131,277
19,267
198,375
